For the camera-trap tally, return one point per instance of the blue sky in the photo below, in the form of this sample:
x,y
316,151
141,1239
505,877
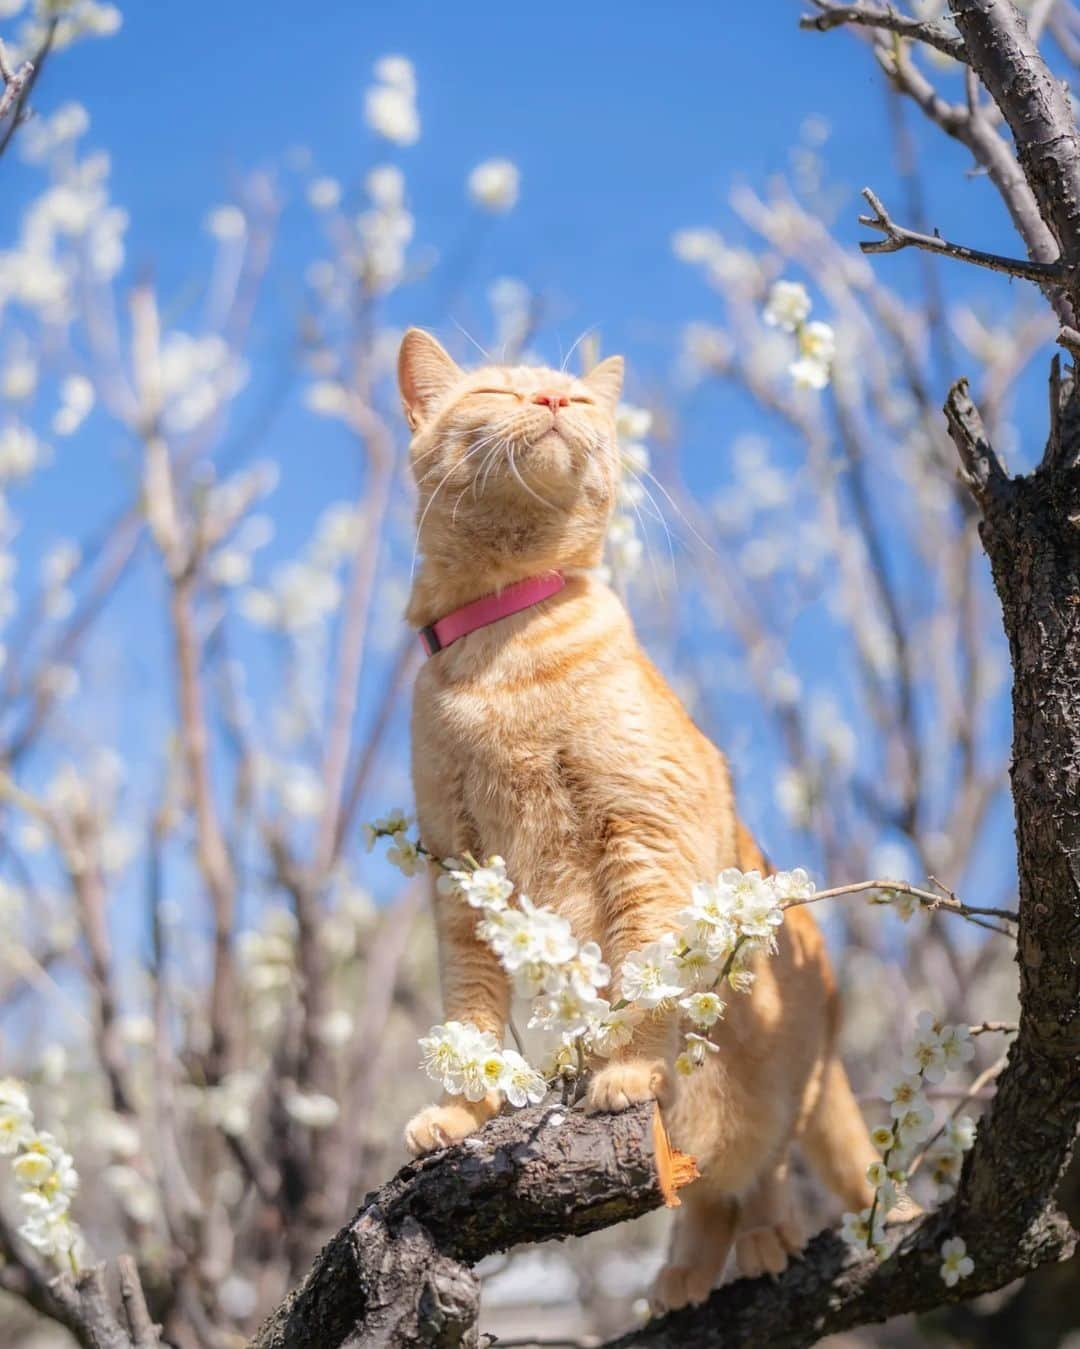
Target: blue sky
x,y
627,121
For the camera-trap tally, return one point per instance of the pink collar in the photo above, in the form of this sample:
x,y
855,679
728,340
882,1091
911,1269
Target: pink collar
x,y
489,609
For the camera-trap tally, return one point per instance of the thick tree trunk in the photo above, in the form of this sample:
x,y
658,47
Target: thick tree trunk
x,y
1031,531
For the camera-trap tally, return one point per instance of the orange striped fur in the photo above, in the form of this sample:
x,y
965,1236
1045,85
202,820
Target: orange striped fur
x,y
550,738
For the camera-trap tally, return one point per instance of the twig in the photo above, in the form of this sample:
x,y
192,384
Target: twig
x,y
15,81
994,1027
897,237
934,34
144,1333
929,899
26,79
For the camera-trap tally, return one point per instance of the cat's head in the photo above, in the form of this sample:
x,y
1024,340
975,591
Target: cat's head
x,y
516,466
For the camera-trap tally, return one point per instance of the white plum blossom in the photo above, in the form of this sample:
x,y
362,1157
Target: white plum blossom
x,y
494,185
956,1264
20,452
44,1173
18,379
568,1011
466,1061
614,1030
703,1008
226,223
390,103
403,854
336,1028
521,1084
385,185
486,887
788,305
312,1109
925,1055
649,977
327,398
324,194
880,1177
788,308
864,1231
16,1118
956,1046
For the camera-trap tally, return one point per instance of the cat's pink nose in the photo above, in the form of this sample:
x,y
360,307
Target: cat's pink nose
x,y
548,398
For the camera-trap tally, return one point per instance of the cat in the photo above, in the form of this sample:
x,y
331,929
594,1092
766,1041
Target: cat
x,y
548,737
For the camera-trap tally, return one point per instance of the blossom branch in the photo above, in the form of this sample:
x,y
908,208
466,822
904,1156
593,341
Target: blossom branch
x,y
15,81
928,899
19,84
897,237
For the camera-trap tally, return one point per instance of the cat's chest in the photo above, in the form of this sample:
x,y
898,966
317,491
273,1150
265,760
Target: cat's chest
x,y
498,762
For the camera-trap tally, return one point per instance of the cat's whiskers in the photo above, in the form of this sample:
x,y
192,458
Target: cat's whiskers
x,y
480,482
679,512
493,445
517,474
469,337
577,342
647,539
659,514
431,500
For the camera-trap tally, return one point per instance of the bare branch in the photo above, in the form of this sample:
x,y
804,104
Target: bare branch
x,y
889,20
897,237
144,1334
982,469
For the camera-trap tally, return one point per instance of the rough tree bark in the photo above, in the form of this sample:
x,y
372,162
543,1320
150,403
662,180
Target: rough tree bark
x,y
398,1274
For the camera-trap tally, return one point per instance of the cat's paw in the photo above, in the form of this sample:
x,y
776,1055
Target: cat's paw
x,y
621,1085
765,1250
440,1126
677,1285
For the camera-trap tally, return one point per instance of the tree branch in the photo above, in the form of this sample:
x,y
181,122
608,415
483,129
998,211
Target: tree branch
x,y
822,1293
399,1269
897,237
1003,54
981,467
15,81
867,16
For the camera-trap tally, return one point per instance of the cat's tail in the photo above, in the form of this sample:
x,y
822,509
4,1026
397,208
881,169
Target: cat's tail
x,y
836,1141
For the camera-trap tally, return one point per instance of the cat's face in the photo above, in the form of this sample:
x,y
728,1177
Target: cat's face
x,y
510,462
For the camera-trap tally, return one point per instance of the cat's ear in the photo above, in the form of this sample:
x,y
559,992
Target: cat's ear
x,y
425,374
605,380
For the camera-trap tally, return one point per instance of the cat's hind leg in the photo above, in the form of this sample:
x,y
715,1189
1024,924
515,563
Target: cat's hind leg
x,y
769,1227
700,1241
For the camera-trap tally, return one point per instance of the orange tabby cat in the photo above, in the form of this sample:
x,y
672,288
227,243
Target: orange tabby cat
x,y
548,737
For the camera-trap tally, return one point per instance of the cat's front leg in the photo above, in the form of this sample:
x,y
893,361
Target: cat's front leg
x,y
442,1125
475,991
640,1070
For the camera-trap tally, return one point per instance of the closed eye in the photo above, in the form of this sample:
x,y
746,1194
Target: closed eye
x,y
508,392
583,400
